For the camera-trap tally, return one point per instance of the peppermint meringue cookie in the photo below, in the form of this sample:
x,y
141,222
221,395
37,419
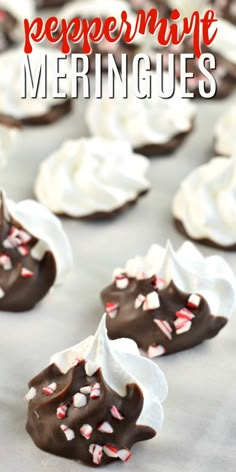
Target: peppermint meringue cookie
x,y
29,110
35,253
9,132
12,15
90,9
204,206
152,125
91,177
225,133
170,301
95,400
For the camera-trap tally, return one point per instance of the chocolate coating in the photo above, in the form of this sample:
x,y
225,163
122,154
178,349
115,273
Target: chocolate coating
x,y
155,150
205,241
56,113
20,289
44,426
139,324
7,25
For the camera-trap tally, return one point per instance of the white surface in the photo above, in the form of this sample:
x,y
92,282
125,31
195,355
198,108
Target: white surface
x,y
200,417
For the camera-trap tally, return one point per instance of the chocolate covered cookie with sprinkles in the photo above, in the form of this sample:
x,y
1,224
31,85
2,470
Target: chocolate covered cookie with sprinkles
x,y
92,406
31,239
169,301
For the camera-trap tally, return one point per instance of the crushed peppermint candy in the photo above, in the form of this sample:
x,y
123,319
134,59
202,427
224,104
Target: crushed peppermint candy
x,y
5,262
182,325
158,283
61,412
23,250
97,453
86,431
112,309
156,351
139,301
79,400
124,454
2,293
69,433
151,302
121,281
96,391
16,238
110,451
165,327
184,313
116,414
50,389
86,390
26,274
105,427
31,394
194,301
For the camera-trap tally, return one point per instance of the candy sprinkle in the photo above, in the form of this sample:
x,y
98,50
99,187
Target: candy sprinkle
x,y
50,389
116,414
151,302
156,351
96,452
165,327
69,433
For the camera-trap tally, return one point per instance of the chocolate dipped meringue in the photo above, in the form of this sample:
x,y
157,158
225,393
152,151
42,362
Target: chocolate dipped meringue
x,y
95,400
170,301
152,126
9,132
31,111
91,177
225,133
34,254
12,15
204,206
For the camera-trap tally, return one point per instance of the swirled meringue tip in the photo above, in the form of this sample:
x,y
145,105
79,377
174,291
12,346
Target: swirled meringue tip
x,y
225,133
37,220
191,272
205,203
151,121
91,176
121,364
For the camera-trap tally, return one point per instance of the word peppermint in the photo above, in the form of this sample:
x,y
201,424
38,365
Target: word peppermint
x,y
86,32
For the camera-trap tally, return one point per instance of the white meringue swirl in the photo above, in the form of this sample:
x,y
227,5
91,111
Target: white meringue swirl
x,y
191,272
225,133
140,121
91,175
121,364
206,202
225,40
47,228
11,102
8,139
19,10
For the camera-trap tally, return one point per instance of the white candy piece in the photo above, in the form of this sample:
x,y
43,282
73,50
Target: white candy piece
x,y
165,327
151,302
159,283
69,433
156,351
185,314
122,282
105,427
96,391
31,394
112,309
79,400
86,431
50,389
91,367
110,451
116,414
2,293
182,325
139,301
5,262
124,454
86,390
194,301
61,412
96,452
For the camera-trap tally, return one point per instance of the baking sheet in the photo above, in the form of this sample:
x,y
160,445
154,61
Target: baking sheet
x,y
200,416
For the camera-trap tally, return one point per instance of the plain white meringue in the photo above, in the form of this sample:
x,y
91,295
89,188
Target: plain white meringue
x,y
8,139
11,102
191,272
121,364
19,9
142,122
91,175
225,133
47,228
206,202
